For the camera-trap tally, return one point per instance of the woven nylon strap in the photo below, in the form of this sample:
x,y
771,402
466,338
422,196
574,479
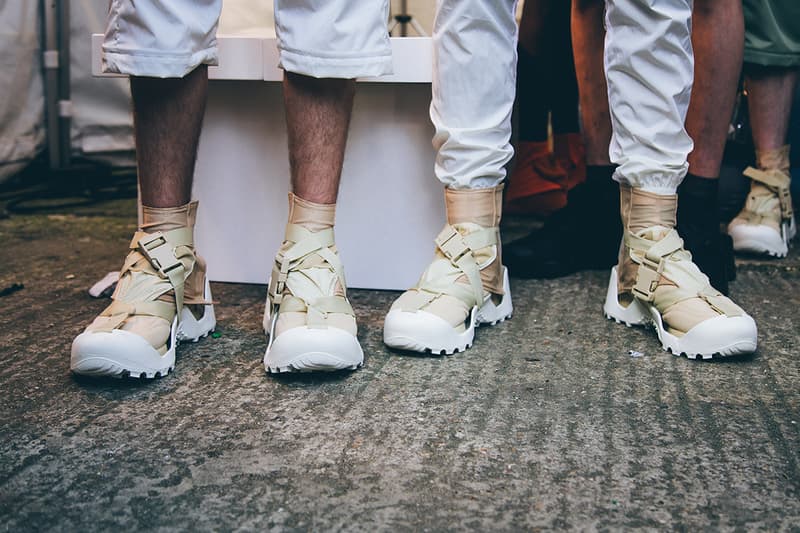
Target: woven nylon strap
x,y
777,182
153,268
458,250
309,250
667,263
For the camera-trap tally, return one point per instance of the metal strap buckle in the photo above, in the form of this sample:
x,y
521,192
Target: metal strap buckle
x,y
647,277
785,197
155,248
277,281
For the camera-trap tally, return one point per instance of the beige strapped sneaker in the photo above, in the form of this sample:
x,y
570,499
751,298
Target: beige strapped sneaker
x,y
656,282
162,276
766,223
465,286
310,322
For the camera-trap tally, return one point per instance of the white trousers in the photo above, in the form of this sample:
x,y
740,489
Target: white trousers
x,y
474,82
650,69
319,38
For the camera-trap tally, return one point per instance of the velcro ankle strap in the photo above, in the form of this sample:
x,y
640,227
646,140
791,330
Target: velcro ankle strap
x,y
652,263
455,248
160,251
451,244
778,182
306,247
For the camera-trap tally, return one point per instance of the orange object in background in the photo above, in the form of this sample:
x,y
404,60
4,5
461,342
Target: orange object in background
x,y
570,153
540,181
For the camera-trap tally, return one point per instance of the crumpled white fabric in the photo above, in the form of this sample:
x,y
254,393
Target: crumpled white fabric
x,y
474,83
22,129
319,38
650,69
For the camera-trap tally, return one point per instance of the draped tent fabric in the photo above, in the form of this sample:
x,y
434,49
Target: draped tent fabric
x,y
102,128
22,129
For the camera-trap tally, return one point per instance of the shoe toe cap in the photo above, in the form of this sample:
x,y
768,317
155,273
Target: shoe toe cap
x,y
419,331
723,335
757,238
111,353
306,349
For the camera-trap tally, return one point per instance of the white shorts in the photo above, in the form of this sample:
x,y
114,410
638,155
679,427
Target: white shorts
x,y
319,38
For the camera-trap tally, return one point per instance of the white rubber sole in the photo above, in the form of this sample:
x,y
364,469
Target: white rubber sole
x,y
121,354
420,331
722,336
762,239
305,349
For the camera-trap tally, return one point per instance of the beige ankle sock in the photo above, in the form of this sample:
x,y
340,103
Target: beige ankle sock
x,y
640,210
479,206
168,218
310,215
774,159
171,218
468,208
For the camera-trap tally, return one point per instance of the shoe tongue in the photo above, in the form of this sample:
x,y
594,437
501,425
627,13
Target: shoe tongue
x,y
315,282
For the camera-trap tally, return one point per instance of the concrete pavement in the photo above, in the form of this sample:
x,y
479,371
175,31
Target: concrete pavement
x,y
546,423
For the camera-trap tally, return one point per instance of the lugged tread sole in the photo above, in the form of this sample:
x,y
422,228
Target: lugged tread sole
x,y
102,361
405,330
419,348
641,315
688,355
292,369
304,349
763,240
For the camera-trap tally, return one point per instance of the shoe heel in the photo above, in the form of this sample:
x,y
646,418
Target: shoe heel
x,y
191,328
492,314
634,315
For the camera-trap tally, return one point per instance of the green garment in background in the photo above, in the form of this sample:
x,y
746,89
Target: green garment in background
x,y
772,32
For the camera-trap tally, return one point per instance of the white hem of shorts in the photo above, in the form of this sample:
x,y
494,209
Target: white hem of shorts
x,y
157,65
336,67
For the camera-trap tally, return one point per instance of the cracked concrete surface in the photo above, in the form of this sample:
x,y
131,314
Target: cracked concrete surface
x,y
546,423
